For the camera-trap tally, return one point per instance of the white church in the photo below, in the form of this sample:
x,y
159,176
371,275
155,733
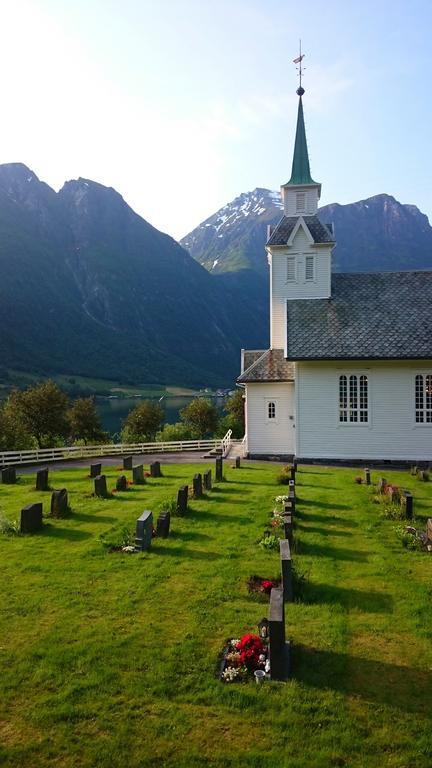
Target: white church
x,y
348,374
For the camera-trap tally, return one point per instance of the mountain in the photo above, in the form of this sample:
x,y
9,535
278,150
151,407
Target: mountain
x,y
376,234
90,288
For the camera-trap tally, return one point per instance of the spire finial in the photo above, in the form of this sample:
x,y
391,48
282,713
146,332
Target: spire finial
x,y
300,90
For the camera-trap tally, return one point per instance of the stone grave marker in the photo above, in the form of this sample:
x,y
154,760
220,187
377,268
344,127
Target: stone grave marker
x,y
8,475
197,486
289,506
138,474
182,500
59,503
100,486
207,478
127,462
95,470
237,462
219,469
286,570
381,485
121,483
155,470
31,518
367,476
279,649
288,527
407,495
144,531
163,525
42,479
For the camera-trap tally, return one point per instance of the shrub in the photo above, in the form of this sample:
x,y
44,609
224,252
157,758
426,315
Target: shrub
x,y
117,538
283,477
268,542
394,511
407,539
8,527
169,505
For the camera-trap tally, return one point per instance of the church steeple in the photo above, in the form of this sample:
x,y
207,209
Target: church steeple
x,y
301,193
300,173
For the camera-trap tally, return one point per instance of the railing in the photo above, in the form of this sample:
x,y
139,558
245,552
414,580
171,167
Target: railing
x,y
226,443
244,445
87,451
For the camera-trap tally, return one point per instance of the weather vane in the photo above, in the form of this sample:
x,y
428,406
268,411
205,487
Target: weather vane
x,y
298,61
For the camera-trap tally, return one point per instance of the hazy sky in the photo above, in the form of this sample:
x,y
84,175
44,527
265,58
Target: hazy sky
x,y
181,105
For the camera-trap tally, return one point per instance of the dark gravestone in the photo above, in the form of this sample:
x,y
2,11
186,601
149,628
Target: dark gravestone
x,y
127,462
381,486
163,525
95,470
288,528
197,486
155,470
367,477
182,500
121,483
237,462
42,479
219,469
286,570
144,531
138,474
31,518
100,486
408,497
59,503
291,490
9,475
207,478
289,506
279,650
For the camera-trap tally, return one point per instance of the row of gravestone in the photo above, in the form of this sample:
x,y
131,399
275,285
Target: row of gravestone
x,y
31,515
274,628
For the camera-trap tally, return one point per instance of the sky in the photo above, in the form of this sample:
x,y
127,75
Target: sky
x,y
181,105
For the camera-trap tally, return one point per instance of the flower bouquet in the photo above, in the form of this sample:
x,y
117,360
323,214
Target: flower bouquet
x,y
241,658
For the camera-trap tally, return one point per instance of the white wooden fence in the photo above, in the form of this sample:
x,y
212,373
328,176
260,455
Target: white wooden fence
x,y
42,455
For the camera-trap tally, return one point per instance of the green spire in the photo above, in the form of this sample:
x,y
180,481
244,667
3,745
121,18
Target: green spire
x,y
300,173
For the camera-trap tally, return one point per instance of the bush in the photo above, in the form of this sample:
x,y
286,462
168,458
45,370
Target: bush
x,y
269,542
283,477
407,539
8,527
394,511
173,432
169,505
117,538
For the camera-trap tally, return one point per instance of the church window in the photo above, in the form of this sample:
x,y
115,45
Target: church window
x,y
353,399
291,269
423,398
300,202
310,268
271,410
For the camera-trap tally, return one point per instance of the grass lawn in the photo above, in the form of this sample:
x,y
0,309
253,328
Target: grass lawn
x,y
108,660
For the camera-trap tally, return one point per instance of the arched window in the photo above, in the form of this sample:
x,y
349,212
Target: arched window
x,y
423,398
353,399
271,410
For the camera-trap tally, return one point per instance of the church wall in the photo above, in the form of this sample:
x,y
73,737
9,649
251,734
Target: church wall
x,y
281,290
290,200
264,435
391,433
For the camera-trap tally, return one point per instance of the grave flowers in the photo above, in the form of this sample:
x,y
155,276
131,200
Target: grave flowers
x,y
256,584
242,657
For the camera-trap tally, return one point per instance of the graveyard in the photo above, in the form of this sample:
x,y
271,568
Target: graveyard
x,y
112,658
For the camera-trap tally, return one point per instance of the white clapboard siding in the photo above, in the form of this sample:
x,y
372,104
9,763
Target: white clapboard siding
x,y
266,435
391,433
300,288
290,201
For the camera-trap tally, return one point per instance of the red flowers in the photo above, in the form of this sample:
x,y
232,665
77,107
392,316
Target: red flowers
x,y
267,586
250,648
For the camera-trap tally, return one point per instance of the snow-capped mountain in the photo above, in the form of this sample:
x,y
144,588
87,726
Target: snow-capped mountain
x,y
376,234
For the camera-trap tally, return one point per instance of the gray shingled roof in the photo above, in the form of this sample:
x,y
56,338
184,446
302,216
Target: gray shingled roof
x,y
250,356
284,228
383,315
270,366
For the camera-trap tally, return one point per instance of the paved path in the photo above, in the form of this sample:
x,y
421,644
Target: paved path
x,y
180,457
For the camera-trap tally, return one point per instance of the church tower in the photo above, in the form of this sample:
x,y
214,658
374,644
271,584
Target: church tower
x,y
299,248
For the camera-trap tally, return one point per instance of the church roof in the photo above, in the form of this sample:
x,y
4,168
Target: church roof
x,y
300,173
284,228
270,366
385,315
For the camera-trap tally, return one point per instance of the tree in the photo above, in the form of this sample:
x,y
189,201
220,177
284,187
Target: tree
x,y
42,409
235,409
84,421
178,431
143,422
14,436
201,416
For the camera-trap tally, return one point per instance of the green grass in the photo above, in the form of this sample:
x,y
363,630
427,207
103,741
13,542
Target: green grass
x,y
109,660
